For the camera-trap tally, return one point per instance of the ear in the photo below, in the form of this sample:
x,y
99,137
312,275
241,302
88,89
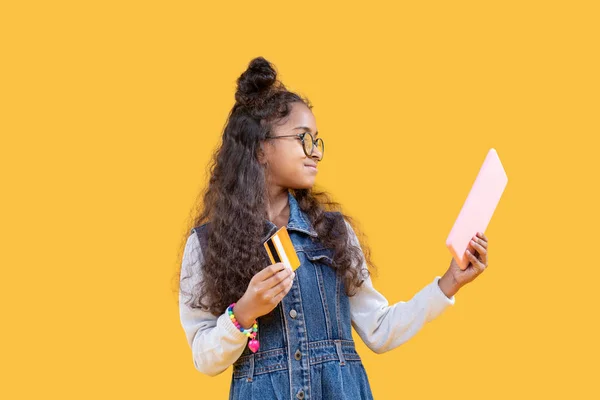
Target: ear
x,y
261,156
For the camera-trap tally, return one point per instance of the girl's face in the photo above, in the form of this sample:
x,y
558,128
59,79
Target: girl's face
x,y
287,164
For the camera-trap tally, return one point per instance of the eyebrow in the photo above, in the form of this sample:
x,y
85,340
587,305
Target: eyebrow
x,y
308,129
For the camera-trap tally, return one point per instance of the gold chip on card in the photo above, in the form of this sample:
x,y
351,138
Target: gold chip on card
x,y
281,250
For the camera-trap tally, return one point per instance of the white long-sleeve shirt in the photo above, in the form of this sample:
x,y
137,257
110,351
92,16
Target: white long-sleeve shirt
x,y
216,343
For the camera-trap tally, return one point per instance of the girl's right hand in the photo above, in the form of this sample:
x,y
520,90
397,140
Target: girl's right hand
x,y
265,290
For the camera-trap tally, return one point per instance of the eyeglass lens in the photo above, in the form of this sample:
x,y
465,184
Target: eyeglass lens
x,y
309,145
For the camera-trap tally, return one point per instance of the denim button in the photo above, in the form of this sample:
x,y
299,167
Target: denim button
x,y
298,355
293,314
300,394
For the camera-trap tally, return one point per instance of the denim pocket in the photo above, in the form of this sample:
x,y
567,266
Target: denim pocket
x,y
322,255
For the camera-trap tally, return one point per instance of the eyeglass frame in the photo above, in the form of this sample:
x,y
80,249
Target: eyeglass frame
x,y
301,137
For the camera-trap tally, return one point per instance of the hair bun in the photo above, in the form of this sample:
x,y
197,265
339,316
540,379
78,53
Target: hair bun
x,y
255,81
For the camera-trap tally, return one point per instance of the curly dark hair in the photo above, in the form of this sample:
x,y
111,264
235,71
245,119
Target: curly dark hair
x,y
235,200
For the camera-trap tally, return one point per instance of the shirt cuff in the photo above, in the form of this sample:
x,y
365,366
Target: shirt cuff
x,y
227,325
439,295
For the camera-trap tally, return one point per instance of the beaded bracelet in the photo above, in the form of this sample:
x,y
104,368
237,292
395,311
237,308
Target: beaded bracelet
x,y
250,332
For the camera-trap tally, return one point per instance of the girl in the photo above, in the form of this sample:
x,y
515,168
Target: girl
x,y
288,333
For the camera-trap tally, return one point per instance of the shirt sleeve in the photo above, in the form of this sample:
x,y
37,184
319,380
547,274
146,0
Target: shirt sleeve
x,y
215,341
384,327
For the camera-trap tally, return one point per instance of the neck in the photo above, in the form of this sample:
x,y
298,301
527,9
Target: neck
x,y
278,202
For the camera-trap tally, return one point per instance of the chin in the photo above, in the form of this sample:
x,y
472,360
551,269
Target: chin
x,y
303,185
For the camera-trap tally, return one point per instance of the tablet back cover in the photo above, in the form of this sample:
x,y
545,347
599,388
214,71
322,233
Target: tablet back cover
x,y
478,208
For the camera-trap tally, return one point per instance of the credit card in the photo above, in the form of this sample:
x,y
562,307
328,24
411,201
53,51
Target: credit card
x,y
281,250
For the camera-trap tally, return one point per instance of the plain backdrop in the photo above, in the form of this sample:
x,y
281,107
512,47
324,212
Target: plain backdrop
x,y
110,111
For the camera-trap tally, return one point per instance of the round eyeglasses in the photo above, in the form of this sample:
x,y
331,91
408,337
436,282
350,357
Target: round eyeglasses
x,y
308,143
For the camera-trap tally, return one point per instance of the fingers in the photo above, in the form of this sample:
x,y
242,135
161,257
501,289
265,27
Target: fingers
x,y
483,238
480,249
279,291
281,295
475,263
268,272
278,278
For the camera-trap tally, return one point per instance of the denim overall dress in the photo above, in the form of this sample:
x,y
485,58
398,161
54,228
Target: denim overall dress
x,y
306,346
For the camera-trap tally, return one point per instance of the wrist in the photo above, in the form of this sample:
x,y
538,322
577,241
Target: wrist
x,y
242,314
448,284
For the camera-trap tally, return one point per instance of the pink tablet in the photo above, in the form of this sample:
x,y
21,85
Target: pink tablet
x,y
479,207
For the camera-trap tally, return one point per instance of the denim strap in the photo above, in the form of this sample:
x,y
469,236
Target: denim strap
x,y
251,369
338,347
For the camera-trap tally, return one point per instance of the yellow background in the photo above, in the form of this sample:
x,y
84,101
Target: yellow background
x,y
109,112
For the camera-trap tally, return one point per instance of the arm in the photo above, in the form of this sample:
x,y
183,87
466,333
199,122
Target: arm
x,y
383,327
215,342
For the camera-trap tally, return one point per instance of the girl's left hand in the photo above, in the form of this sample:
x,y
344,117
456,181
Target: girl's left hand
x,y
455,278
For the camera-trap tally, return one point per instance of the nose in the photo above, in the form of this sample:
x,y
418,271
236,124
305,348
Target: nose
x,y
316,153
